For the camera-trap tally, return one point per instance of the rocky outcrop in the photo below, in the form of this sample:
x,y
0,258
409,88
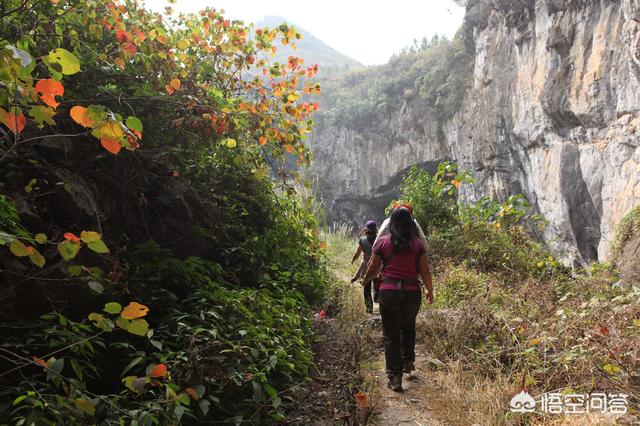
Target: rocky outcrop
x,y
553,113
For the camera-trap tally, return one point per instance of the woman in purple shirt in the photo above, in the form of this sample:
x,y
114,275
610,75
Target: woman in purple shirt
x,y
403,256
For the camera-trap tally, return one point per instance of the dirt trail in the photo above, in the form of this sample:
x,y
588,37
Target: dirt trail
x,y
417,404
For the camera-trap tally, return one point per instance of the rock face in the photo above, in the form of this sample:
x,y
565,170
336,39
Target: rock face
x,y
553,113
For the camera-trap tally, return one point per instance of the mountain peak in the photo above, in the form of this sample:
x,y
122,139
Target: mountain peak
x,y
311,48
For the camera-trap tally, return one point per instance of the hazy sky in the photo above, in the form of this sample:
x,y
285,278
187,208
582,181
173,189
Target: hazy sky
x,y
368,31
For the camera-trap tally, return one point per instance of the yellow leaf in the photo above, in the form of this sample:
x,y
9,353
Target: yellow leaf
x,y
109,129
86,405
18,249
231,143
183,44
534,342
41,238
89,236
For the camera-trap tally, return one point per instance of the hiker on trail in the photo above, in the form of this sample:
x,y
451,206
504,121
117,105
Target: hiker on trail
x,y
403,256
365,245
384,228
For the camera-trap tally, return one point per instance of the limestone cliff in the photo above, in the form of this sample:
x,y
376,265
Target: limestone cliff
x,y
553,112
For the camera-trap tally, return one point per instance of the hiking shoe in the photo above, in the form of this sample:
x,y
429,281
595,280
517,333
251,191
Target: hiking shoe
x,y
408,366
395,383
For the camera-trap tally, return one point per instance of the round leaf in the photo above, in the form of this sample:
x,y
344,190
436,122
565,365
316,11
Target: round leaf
x,y
89,236
48,89
98,246
68,249
86,405
41,238
134,123
112,308
134,310
80,115
18,249
139,327
67,61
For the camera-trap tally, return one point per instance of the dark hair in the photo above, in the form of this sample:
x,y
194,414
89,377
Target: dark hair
x,y
402,228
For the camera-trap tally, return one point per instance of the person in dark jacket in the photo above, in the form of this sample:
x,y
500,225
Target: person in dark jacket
x,y
365,245
403,257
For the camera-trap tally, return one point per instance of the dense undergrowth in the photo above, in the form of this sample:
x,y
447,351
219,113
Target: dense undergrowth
x,y
508,316
157,265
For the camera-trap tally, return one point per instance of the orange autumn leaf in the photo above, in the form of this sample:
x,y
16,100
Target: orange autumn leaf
x,y
192,393
71,237
262,140
158,370
119,62
289,148
79,115
48,89
111,145
15,123
134,310
175,83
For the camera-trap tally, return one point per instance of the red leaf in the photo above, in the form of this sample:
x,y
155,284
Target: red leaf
x,y
129,48
158,370
122,35
604,330
323,314
111,145
71,237
15,123
48,89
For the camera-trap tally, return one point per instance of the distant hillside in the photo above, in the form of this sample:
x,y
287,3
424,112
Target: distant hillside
x,y
312,49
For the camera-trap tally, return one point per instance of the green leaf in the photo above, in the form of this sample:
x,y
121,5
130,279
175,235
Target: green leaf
x,y
132,364
66,61
42,114
98,246
74,270
179,411
123,323
41,238
138,327
90,236
19,399
68,249
18,249
134,123
269,390
76,368
112,308
204,406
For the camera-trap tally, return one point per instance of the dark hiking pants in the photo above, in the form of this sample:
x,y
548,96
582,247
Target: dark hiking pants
x,y
368,300
399,328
